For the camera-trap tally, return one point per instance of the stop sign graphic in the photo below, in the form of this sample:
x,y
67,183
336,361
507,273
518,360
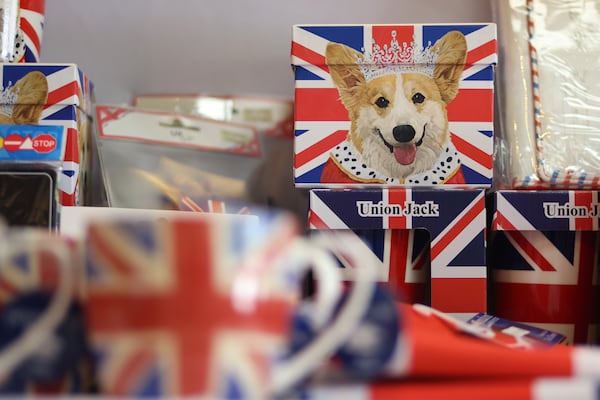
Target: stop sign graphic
x,y
44,143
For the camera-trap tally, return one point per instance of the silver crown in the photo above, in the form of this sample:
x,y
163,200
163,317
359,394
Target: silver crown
x,y
8,99
393,59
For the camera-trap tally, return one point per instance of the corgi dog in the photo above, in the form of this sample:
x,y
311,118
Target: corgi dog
x,y
398,121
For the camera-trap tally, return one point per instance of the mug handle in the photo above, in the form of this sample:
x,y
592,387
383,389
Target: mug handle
x,y
329,339
31,340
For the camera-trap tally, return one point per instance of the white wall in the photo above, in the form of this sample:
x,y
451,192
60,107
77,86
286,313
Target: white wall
x,y
128,47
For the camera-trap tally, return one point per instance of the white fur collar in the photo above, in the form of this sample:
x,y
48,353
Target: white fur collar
x,y
349,160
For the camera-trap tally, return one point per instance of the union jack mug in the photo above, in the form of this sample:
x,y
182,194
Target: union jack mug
x,y
42,338
549,280
204,306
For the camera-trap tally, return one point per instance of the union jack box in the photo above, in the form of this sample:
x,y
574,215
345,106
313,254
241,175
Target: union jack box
x,y
455,220
543,253
394,105
53,95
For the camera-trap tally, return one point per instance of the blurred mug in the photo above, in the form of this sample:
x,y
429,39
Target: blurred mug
x,y
42,338
204,307
549,280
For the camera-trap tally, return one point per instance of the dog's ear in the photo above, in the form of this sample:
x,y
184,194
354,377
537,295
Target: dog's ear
x,y
343,67
451,52
32,93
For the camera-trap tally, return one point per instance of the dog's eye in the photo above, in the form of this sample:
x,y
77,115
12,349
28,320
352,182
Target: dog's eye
x,y
382,102
418,98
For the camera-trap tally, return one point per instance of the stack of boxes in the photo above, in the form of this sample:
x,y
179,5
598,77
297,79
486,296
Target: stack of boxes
x,y
45,157
394,136
370,146
52,95
45,112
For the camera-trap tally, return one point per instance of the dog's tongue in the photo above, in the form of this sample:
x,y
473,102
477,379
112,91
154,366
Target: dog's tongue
x,y
405,154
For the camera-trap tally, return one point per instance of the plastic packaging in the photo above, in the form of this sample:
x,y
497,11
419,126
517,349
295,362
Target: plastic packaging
x,y
549,95
155,159
271,183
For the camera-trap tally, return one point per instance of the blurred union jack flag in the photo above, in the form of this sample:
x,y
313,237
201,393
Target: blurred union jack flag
x,y
319,129
28,271
162,314
549,279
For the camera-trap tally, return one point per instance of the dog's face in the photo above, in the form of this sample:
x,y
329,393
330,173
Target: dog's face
x,y
398,121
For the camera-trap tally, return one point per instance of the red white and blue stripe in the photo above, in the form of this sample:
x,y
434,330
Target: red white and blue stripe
x,y
69,102
31,26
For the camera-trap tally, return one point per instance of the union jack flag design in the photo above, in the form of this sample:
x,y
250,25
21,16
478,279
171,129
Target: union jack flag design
x,y
31,21
69,104
557,272
162,313
400,256
29,270
455,223
545,247
321,121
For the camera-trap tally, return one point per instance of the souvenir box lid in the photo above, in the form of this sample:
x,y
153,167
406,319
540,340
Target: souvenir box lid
x,y
51,85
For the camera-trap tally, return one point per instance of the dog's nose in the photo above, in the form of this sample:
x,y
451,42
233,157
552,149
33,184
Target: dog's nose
x,y
403,133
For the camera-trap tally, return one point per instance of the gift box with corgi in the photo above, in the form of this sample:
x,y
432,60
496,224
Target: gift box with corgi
x,y
53,95
394,105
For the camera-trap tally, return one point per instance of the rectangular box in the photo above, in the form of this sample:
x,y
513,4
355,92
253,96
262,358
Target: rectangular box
x,y
394,105
53,95
455,220
543,259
